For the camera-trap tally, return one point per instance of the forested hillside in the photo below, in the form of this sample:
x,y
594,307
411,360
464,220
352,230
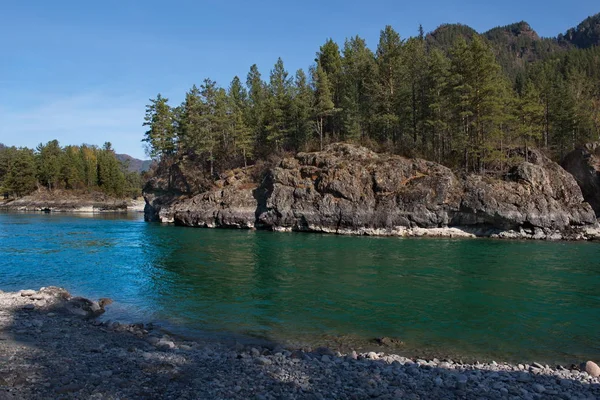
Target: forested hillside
x,y
51,166
454,96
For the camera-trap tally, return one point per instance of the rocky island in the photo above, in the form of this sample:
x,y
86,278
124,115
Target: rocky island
x,y
348,189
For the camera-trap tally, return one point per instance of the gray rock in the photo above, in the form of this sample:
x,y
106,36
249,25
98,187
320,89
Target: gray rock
x,y
539,388
348,189
70,388
254,352
263,361
28,293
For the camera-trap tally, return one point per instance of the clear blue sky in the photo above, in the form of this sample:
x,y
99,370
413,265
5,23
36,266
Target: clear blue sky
x,y
82,71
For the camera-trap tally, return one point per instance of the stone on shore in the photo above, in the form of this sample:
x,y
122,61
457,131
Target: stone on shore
x,y
46,355
592,368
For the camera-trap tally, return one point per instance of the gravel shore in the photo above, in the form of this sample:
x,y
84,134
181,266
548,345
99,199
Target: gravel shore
x,y
50,348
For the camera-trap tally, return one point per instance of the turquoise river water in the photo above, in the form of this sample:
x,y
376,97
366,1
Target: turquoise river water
x,y
480,298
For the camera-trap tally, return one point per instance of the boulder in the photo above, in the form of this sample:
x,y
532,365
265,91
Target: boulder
x,y
592,369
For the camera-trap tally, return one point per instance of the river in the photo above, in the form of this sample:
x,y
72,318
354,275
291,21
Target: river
x,y
474,298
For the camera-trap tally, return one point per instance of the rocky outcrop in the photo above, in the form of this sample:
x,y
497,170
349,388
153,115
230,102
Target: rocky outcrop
x,y
348,189
584,164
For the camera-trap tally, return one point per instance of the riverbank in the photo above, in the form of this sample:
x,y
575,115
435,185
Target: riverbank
x,y
48,352
70,201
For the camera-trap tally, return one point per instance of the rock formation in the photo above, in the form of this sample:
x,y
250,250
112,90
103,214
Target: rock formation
x,y
348,189
584,164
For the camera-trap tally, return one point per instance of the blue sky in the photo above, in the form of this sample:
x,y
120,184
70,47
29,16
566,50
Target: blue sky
x,y
82,72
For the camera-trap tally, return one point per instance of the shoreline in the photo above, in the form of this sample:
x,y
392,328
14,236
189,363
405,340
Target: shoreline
x,y
64,201
126,206
583,234
50,349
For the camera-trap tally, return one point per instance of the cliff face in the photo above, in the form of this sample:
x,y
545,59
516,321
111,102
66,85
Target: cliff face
x,y
584,164
348,189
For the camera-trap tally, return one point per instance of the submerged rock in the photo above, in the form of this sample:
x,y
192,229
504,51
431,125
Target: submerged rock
x,y
347,189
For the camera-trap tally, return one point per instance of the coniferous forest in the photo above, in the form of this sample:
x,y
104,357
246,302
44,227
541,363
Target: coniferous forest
x,y
453,96
50,166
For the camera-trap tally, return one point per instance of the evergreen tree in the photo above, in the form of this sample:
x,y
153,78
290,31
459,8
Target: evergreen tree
x,y
301,115
358,71
437,120
387,89
531,116
330,60
279,105
160,136
21,176
239,109
257,95
48,163
415,64
324,106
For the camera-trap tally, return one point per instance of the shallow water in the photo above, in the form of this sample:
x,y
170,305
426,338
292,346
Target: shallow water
x,y
485,299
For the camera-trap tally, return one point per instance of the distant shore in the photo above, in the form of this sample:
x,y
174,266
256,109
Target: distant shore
x,y
58,350
72,202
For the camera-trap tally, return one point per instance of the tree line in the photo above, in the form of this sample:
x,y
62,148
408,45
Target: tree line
x,y
50,166
453,104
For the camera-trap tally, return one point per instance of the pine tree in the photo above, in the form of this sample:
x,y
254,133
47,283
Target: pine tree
x,y
477,95
358,72
324,106
330,60
437,120
160,136
257,95
415,64
302,110
279,105
531,116
21,176
48,163
239,109
387,90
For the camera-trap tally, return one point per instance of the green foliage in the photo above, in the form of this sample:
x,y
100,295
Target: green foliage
x,y
71,167
453,95
160,136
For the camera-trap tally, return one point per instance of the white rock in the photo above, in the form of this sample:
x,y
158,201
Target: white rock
x,y
592,369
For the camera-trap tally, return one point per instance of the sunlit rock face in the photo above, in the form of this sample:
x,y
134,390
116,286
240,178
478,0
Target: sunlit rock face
x,y
348,189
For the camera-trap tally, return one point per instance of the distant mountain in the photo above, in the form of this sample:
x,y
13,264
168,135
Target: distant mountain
x,y
585,35
445,35
134,164
518,44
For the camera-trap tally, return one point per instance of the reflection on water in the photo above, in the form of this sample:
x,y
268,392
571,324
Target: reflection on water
x,y
485,298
